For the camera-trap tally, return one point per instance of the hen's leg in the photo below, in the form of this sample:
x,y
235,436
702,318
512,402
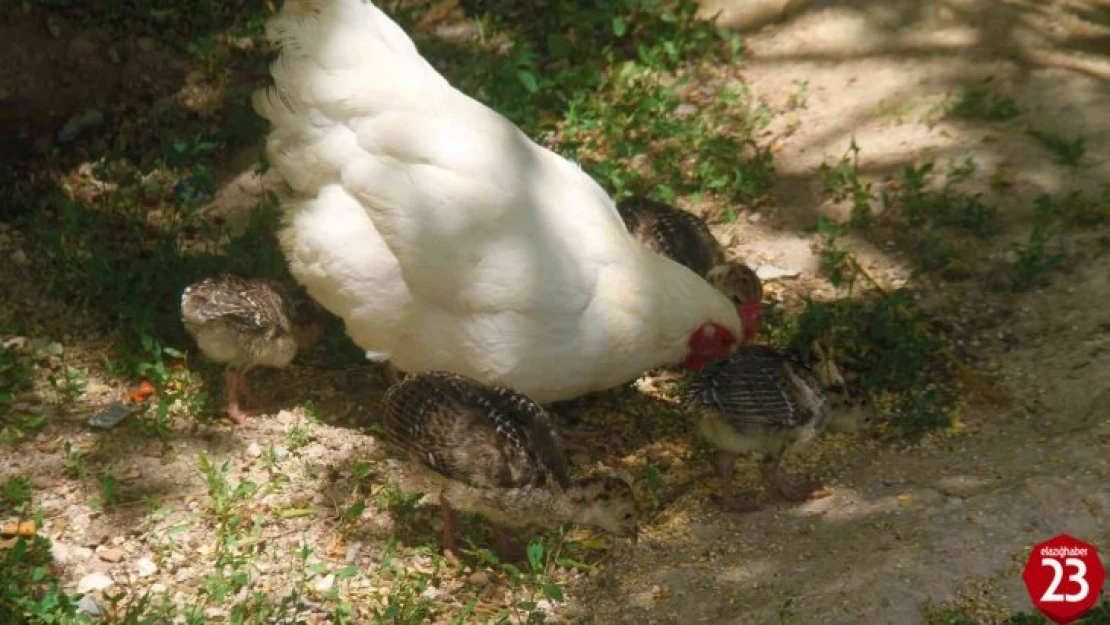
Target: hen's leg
x,y
726,467
233,381
791,489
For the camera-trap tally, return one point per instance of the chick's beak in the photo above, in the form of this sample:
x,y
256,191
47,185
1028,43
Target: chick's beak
x,y
635,538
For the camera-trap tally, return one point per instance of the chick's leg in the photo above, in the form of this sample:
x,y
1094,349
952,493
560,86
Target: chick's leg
x,y
791,489
233,381
506,547
726,467
450,545
255,399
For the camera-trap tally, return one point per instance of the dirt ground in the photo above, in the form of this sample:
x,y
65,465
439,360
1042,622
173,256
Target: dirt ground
x,y
955,514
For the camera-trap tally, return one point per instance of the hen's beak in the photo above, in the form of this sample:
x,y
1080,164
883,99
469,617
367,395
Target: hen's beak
x,y
635,535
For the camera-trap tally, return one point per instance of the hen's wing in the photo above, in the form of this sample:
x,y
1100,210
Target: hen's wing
x,y
479,217
481,436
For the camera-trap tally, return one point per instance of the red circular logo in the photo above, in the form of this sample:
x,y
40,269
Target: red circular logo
x,y
1064,577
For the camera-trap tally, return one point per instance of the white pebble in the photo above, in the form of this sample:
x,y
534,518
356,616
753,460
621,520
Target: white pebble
x,y
94,581
146,567
324,584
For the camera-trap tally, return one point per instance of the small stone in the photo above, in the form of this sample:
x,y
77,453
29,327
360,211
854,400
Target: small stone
x,y
431,593
324,584
158,588
94,581
89,605
280,452
479,578
771,272
65,554
4,94
685,110
146,567
110,554
254,450
183,575
146,44
114,57
19,257
353,550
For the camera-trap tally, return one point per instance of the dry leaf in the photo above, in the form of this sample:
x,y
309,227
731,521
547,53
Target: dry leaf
x,y
436,14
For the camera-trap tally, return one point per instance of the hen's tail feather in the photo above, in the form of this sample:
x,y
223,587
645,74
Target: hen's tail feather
x,y
338,56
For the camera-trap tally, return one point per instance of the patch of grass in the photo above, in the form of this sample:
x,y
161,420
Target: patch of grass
x,y
16,375
920,207
958,613
1067,151
612,86
1033,261
1076,209
981,103
15,493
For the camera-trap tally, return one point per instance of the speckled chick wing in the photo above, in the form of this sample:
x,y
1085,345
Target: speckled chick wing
x,y
758,391
240,321
482,436
672,232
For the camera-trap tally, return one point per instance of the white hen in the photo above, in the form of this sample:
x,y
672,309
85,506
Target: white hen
x,y
446,239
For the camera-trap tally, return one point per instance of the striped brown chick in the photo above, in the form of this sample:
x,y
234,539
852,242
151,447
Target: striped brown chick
x,y
766,401
245,323
686,239
494,453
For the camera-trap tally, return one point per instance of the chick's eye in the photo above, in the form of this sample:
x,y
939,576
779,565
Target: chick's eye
x,y
627,516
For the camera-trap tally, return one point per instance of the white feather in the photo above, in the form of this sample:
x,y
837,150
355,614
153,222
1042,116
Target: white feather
x,y
443,236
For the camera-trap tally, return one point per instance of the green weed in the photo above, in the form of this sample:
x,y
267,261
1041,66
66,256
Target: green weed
x,y
980,103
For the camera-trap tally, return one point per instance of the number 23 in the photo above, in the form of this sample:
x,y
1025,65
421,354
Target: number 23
x,y
1079,577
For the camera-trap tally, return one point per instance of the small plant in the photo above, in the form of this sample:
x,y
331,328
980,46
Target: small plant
x,y
1076,209
15,493
70,385
73,462
406,602
1033,260
982,104
109,492
1068,152
843,181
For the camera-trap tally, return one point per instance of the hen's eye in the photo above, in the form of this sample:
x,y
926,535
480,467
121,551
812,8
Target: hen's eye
x,y
627,516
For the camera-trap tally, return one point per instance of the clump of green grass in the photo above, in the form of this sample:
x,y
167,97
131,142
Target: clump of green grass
x,y
1067,151
980,103
921,204
1033,260
603,83
1076,209
16,375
